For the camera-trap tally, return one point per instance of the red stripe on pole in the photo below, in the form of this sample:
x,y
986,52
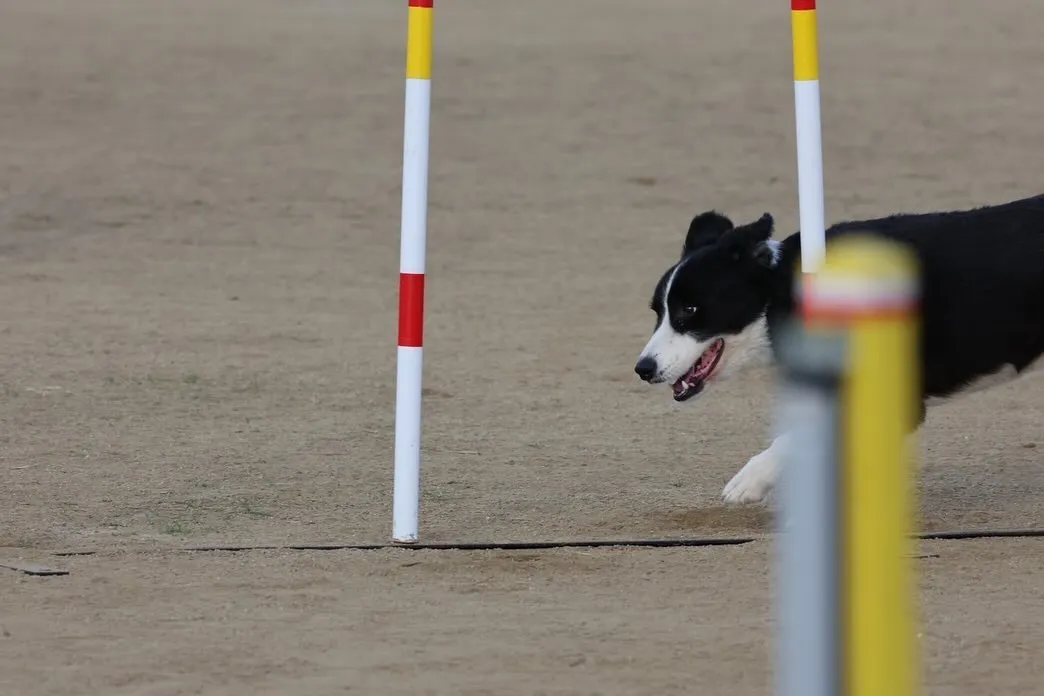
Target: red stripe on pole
x,y
411,310
431,3
795,5
828,313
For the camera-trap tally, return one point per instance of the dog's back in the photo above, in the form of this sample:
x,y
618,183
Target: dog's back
x,y
982,287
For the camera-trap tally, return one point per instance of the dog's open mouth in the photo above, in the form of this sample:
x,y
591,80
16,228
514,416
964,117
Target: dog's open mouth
x,y
692,382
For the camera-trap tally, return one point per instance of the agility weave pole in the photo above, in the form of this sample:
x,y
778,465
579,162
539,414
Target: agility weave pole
x,y
880,409
412,257
811,204
847,601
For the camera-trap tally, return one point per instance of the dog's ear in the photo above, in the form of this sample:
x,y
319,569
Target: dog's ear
x,y
761,229
754,241
705,229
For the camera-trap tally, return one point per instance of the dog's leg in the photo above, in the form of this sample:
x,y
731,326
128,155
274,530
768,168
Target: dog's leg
x,y
758,477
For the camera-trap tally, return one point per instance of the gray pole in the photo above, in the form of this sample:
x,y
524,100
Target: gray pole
x,y
809,636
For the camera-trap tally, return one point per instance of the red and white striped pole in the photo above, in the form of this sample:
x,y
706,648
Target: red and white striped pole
x,y
412,253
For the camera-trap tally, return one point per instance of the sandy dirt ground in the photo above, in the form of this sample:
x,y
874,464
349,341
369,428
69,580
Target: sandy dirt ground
x,y
198,265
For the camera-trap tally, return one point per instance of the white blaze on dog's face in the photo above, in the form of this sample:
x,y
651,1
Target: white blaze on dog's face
x,y
710,306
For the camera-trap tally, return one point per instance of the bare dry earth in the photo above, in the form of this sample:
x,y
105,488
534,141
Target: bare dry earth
x,y
198,255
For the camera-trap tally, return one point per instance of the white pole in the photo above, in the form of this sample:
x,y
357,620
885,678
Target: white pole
x,y
808,653
412,254
811,204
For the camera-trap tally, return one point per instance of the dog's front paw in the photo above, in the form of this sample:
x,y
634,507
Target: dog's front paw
x,y
754,482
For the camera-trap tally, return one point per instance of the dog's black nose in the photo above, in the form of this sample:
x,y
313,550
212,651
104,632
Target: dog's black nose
x,y
645,368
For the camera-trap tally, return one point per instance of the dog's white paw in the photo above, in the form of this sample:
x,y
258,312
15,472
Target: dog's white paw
x,y
754,482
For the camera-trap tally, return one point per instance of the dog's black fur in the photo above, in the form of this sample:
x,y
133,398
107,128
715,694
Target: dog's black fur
x,y
982,282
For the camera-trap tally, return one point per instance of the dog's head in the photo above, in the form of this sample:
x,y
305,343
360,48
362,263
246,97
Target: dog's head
x,y
710,305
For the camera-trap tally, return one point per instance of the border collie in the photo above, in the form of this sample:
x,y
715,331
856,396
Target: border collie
x,y
721,307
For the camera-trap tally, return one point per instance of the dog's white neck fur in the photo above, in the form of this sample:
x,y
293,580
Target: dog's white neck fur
x,y
777,250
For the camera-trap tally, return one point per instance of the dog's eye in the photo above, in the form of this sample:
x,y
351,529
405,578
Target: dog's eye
x,y
692,309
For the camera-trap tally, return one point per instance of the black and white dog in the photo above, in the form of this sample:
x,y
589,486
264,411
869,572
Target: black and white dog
x,y
721,307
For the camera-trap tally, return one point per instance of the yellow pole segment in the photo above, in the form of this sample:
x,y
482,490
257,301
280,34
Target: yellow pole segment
x,y
870,287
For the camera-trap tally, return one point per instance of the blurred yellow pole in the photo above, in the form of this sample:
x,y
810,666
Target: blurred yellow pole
x,y
869,287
